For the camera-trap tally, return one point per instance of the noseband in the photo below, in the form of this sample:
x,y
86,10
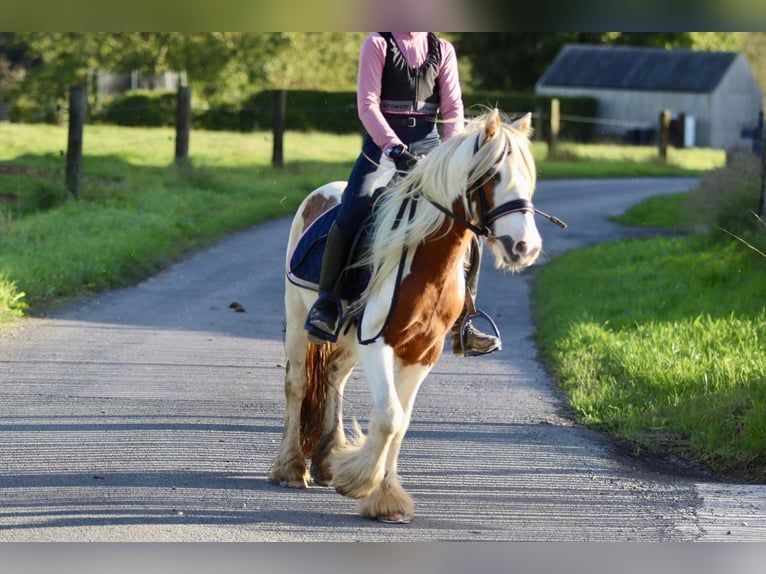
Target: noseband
x,y
488,216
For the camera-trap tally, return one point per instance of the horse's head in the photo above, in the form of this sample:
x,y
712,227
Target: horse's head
x,y
500,190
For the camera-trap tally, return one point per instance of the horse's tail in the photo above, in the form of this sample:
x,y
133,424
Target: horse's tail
x,y
313,407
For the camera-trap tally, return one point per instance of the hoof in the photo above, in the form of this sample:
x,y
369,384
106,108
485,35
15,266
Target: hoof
x,y
395,519
293,484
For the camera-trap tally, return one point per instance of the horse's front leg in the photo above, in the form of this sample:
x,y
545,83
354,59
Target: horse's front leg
x,y
390,502
359,466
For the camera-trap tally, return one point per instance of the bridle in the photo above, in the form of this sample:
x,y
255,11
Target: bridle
x,y
486,216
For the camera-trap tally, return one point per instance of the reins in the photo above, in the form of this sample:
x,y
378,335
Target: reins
x,y
399,274
483,229
487,218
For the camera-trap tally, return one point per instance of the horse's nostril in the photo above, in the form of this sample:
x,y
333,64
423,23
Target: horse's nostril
x,y
520,247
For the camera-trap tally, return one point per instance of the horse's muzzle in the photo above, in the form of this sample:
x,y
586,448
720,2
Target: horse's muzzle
x,y
518,253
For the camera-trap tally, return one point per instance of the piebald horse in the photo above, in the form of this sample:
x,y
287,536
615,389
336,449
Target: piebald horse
x,y
478,182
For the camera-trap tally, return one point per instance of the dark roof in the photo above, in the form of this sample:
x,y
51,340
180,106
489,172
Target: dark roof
x,y
633,68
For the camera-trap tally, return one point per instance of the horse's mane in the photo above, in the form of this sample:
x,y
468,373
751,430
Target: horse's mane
x,y
442,176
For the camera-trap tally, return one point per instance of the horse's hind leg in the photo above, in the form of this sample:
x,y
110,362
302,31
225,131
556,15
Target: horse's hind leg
x,y
333,436
289,466
389,502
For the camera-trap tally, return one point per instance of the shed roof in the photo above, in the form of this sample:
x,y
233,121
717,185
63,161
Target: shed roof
x,y
635,68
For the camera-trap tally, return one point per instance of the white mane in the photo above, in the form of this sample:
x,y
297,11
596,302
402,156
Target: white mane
x,y
443,176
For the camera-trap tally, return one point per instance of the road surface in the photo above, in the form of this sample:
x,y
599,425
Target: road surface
x,y
152,413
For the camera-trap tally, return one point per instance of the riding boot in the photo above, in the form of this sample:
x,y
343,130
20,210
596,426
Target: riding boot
x,y
322,321
476,342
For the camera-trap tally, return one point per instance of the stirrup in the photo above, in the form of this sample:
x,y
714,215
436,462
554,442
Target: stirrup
x,y
468,318
320,336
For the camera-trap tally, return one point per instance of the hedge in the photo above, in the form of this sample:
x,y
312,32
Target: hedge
x,y
331,112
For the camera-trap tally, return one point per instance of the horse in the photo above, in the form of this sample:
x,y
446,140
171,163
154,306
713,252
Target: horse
x,y
478,183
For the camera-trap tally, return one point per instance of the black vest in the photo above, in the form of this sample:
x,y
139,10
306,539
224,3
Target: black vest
x,y
408,90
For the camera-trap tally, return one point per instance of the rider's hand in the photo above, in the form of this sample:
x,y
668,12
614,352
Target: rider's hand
x,y
403,159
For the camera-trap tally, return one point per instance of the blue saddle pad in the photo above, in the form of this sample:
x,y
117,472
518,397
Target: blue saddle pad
x,y
305,262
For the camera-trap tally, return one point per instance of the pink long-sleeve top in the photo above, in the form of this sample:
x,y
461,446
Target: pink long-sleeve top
x,y
414,46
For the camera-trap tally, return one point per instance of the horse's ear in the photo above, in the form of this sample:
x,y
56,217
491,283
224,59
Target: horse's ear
x,y
492,125
524,124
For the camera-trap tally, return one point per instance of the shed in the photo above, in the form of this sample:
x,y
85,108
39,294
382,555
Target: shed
x,y
715,92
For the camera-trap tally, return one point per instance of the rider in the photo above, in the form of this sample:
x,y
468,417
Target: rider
x,y
404,80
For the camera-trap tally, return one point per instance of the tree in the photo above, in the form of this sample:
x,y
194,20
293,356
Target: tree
x,y
220,66
516,60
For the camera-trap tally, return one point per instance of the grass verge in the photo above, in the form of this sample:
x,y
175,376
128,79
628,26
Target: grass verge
x,y
138,211
661,341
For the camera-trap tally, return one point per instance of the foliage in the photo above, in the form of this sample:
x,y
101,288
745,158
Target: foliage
x,y
226,67
220,66
727,200
516,60
666,211
151,108
661,343
517,103
754,48
138,211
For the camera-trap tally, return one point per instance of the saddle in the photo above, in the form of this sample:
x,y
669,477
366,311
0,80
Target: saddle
x,y
305,262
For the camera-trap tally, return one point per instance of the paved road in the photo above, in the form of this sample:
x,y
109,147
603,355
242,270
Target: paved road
x,y
152,413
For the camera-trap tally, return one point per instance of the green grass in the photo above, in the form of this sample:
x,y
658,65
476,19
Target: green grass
x,y
659,341
662,342
138,211
667,211
603,161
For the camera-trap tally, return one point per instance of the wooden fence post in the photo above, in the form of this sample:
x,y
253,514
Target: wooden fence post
x,y
279,105
74,141
183,124
762,201
664,134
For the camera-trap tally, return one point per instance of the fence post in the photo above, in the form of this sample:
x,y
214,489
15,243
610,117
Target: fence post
x,y
664,134
74,141
762,201
555,125
279,105
183,124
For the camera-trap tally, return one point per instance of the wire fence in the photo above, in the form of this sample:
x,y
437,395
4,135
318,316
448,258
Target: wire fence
x,y
633,130
184,113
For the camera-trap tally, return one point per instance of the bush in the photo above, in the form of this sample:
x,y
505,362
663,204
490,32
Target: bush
x,y
727,198
139,108
327,112
539,105
307,110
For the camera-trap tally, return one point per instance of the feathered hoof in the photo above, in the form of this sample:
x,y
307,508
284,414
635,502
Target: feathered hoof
x,y
389,503
290,476
352,474
355,491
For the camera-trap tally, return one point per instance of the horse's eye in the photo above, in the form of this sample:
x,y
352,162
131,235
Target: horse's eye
x,y
496,177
